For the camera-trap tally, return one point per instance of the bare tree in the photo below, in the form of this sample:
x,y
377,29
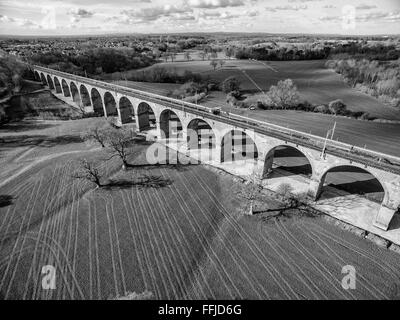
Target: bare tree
x,y
96,134
187,55
214,63
250,191
213,55
202,55
89,170
284,94
172,56
120,142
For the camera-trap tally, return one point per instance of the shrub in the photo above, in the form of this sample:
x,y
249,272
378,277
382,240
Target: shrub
x,y
230,84
337,107
322,109
284,94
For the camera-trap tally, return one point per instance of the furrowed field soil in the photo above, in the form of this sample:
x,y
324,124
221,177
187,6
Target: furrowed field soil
x,y
177,231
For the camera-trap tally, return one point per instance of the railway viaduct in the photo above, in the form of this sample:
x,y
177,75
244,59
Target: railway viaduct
x,y
230,140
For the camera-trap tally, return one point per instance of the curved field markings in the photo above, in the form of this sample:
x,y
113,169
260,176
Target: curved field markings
x,y
148,237
247,239
212,255
174,232
178,234
129,209
379,262
328,250
16,247
326,274
232,251
169,286
31,268
175,276
292,265
114,263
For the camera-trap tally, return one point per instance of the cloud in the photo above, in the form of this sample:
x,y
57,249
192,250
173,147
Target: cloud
x,y
25,23
6,19
393,16
149,14
365,7
212,4
288,7
329,6
304,1
80,13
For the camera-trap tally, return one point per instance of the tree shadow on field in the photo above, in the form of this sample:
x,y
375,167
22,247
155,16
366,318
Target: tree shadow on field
x,y
6,200
145,181
27,125
34,140
178,167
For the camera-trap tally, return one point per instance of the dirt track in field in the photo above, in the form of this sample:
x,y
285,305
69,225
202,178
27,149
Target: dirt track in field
x,y
184,237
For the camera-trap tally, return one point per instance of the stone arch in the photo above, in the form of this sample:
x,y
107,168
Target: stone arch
x,y
237,145
170,125
65,87
110,105
43,78
57,85
50,82
86,102
126,110
146,117
75,93
97,102
288,160
37,76
350,179
200,135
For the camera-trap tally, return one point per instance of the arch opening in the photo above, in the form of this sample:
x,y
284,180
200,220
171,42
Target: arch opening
x,y
43,78
97,102
110,105
37,76
200,135
67,92
146,117
170,125
126,110
57,85
237,145
286,161
350,180
75,94
86,102
50,82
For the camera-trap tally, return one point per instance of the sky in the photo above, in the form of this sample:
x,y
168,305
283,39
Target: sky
x,y
85,17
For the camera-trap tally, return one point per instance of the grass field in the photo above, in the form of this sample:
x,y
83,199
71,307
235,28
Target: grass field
x,y
182,236
316,83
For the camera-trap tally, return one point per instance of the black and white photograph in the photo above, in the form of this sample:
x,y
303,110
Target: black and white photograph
x,y
199,154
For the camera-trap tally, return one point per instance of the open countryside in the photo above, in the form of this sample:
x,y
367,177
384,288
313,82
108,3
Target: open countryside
x,y
200,165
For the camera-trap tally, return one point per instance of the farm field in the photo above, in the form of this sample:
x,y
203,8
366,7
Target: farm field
x,y
313,80
316,83
176,231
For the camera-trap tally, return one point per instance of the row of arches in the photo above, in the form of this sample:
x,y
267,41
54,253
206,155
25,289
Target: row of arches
x,y
235,145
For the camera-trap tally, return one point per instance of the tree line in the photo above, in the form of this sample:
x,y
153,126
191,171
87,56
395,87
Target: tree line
x,y
96,61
